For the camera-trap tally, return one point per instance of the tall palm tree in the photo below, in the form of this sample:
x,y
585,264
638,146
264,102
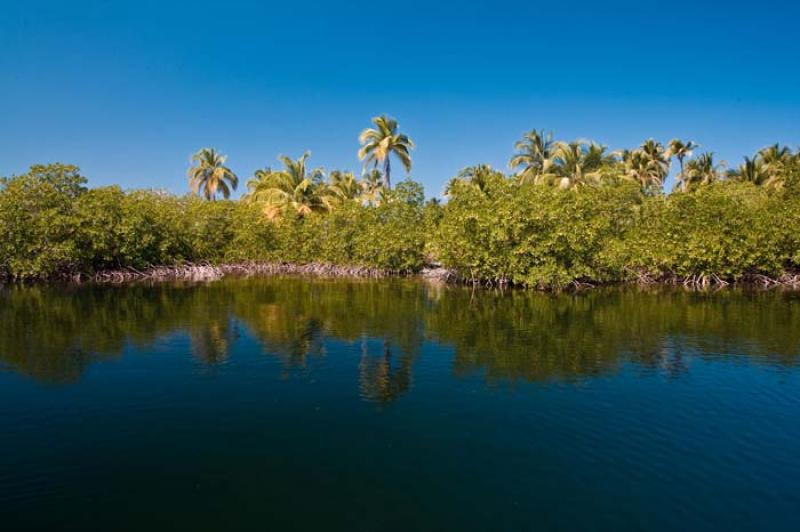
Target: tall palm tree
x,y
209,174
534,156
700,171
379,143
681,150
293,189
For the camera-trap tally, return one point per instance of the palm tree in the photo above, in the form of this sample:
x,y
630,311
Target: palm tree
x,y
639,167
632,164
379,143
372,189
292,189
751,171
776,160
680,150
700,171
775,155
258,175
578,163
344,186
768,168
658,159
647,165
211,175
477,176
534,155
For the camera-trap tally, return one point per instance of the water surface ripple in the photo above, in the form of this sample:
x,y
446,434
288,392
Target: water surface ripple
x,y
296,404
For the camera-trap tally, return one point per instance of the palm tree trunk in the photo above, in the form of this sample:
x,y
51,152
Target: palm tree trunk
x,y
387,170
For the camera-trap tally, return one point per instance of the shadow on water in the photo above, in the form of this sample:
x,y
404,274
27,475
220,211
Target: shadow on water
x,y
54,333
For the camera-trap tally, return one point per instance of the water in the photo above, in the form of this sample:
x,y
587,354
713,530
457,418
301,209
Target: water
x,y
288,404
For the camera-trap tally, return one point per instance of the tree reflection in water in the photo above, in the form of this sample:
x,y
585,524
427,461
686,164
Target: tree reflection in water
x,y
382,375
53,333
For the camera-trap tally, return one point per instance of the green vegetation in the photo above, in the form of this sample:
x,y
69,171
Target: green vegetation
x,y
569,213
289,191
54,229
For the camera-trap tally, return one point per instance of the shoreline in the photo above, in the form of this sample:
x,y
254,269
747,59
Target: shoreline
x,y
205,272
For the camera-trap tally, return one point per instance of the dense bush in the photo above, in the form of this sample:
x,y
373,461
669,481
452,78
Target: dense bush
x,y
390,236
38,221
545,236
725,230
531,234
252,239
490,229
54,226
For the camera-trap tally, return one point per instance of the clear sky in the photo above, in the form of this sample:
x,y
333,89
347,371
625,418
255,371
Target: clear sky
x,y
128,90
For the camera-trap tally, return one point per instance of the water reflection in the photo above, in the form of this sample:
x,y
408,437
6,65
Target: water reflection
x,y
383,375
54,333
534,337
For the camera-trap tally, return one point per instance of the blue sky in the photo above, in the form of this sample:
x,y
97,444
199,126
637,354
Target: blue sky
x,y
128,90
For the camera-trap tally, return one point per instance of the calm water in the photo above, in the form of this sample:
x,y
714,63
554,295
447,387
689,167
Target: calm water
x,y
286,404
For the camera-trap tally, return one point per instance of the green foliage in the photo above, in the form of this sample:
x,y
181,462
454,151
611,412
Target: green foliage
x,y
389,236
252,239
56,227
151,231
99,216
291,191
792,182
726,230
546,237
210,228
38,221
397,227
533,235
493,227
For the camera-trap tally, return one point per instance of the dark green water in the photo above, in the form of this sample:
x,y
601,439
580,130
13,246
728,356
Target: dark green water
x,y
287,404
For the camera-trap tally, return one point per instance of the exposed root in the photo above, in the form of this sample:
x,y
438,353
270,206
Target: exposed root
x,y
790,279
703,281
643,277
581,285
698,281
312,269
787,280
441,275
210,272
185,272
